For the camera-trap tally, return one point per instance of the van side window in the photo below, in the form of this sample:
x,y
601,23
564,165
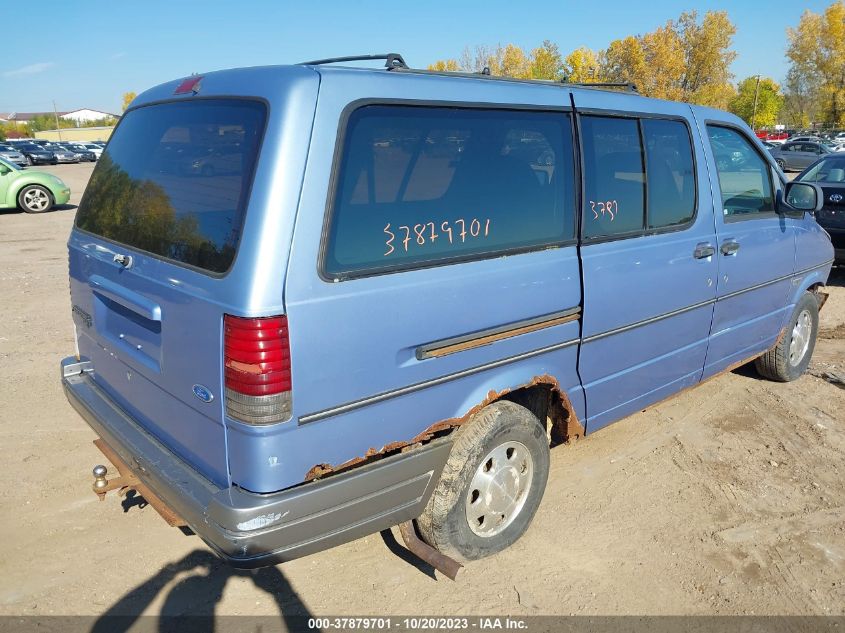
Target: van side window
x,y
614,178
744,176
670,173
425,185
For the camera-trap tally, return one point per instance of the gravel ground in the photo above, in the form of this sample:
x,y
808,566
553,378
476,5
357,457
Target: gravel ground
x,y
728,499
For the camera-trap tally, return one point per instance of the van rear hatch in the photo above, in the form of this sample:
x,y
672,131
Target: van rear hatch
x,y
156,232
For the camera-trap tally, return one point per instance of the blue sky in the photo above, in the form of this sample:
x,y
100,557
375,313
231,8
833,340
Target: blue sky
x,y
87,54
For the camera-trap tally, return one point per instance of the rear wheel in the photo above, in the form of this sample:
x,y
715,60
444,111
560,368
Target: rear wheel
x,y
35,199
491,485
791,356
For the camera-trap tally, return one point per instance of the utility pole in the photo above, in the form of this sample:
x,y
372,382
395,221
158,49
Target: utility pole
x,y
754,113
59,129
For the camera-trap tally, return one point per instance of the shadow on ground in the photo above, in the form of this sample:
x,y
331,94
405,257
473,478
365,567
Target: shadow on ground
x,y
189,603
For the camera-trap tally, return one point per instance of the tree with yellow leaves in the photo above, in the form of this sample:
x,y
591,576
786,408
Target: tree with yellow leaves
x,y
128,97
582,66
683,60
444,65
817,55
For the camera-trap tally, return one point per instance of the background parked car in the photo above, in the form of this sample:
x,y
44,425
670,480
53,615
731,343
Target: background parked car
x,y
37,155
85,155
798,155
12,154
64,155
32,191
90,147
829,173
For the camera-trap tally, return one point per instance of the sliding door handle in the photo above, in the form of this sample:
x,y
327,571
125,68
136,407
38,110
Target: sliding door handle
x,y
704,250
729,247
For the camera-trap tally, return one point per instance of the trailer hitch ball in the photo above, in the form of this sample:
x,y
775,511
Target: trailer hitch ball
x,y
100,482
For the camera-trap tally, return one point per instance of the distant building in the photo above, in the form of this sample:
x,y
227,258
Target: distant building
x,y
76,134
82,115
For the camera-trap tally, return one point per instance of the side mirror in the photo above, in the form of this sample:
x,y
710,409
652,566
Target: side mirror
x,y
4,170
804,196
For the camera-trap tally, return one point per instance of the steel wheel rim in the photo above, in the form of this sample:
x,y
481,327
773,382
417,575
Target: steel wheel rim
x,y
801,334
36,199
499,489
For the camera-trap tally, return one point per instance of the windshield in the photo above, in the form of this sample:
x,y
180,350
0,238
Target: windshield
x,y
175,179
828,170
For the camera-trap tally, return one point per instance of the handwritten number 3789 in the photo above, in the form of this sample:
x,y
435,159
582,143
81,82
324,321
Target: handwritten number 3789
x,y
604,206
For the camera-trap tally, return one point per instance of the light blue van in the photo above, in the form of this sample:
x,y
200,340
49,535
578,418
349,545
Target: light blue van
x,y
312,302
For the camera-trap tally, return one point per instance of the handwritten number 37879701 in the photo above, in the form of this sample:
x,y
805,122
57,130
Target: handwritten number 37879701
x,y
426,233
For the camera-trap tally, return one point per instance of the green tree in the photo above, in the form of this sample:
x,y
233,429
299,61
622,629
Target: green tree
x,y
128,97
546,62
768,97
816,53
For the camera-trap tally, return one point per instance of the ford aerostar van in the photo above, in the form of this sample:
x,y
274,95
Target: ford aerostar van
x,y
312,302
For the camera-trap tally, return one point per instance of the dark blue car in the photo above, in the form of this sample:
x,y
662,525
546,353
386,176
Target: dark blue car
x,y
396,288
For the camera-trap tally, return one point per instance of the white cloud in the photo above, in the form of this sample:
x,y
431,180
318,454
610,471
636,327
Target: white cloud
x,y
31,69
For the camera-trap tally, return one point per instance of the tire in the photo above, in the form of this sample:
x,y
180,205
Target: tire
x,y
787,360
35,199
782,164
504,439
29,161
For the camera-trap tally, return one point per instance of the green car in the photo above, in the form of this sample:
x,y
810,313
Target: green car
x,y
32,191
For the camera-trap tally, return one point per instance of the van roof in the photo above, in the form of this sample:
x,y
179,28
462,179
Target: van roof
x,y
250,80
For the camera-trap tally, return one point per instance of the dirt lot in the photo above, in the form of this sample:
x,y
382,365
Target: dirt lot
x,y
729,499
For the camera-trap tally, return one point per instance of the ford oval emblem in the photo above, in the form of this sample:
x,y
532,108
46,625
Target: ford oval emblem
x,y
203,393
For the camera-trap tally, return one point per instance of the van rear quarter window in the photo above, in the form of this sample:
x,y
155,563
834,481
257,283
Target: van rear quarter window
x,y
175,178
422,185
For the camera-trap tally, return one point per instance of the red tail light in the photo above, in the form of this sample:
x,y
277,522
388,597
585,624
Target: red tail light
x,y
257,369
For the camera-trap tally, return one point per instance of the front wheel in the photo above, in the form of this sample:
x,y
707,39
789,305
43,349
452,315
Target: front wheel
x,y
491,485
29,160
782,164
787,360
35,199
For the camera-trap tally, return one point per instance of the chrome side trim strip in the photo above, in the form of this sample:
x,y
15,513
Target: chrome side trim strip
x,y
654,319
386,395
464,342
695,306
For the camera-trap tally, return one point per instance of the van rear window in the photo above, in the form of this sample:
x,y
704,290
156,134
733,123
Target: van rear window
x,y
420,186
175,178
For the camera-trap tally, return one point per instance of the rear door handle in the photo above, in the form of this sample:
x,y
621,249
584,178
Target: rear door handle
x,y
703,250
729,247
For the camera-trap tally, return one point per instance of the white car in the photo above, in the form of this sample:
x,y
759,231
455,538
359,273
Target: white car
x,y
98,151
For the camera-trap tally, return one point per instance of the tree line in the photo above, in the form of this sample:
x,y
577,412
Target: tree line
x,y
688,59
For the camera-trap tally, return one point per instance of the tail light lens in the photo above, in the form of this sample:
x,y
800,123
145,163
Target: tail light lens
x,y
257,369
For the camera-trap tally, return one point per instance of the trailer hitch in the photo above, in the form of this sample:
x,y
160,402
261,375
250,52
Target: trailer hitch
x,y
126,481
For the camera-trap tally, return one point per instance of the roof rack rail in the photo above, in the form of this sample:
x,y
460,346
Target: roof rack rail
x,y
627,85
392,60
